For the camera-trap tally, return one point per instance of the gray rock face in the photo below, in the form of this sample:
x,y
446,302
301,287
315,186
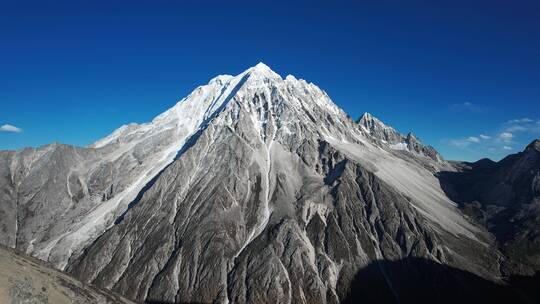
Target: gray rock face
x,y
58,199
388,136
377,129
40,186
267,206
253,189
505,198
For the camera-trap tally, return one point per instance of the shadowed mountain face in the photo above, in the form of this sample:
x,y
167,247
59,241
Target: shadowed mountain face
x,y
252,189
505,198
415,280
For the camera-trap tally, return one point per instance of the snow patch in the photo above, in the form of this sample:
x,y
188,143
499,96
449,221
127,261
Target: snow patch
x,y
399,146
187,117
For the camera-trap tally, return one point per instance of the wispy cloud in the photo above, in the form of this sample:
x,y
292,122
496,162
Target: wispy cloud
x,y
511,133
525,125
505,137
516,128
460,143
466,141
10,128
467,107
520,120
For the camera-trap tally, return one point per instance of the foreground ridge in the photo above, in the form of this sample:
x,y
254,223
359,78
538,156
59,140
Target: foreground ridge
x,y
25,279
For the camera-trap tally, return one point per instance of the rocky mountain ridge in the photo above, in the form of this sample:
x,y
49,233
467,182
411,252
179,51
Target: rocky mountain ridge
x,y
504,196
389,136
252,189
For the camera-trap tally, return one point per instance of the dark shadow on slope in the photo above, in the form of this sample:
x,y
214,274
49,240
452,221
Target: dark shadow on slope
x,y
468,187
458,185
193,138
190,142
503,198
335,172
139,196
417,280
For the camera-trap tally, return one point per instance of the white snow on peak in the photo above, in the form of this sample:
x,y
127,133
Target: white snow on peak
x,y
221,78
188,114
367,116
290,78
170,131
372,120
262,67
261,71
173,128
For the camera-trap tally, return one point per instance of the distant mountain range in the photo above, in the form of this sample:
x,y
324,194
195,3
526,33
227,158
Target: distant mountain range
x,y
259,189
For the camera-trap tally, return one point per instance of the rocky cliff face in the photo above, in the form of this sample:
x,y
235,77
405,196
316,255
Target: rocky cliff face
x,y
253,189
505,198
58,199
388,136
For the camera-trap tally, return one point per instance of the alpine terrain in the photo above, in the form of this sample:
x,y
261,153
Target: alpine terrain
x,y
29,280
259,189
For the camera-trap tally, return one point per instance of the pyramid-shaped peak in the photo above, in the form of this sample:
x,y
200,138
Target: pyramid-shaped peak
x,y
262,70
262,65
368,118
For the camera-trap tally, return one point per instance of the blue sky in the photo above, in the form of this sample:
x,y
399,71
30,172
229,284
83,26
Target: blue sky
x,y
464,77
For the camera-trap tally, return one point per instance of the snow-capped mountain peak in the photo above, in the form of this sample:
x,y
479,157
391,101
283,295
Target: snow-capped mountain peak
x,y
261,70
253,177
266,111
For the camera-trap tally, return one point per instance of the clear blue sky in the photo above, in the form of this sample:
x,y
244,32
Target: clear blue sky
x,y
450,71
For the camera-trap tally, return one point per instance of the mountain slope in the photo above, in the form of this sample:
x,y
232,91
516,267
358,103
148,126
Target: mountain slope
x,y
253,189
58,199
505,197
279,198
28,280
396,141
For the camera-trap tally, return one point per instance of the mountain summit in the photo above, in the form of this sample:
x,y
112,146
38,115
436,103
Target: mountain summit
x,y
252,189
393,139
